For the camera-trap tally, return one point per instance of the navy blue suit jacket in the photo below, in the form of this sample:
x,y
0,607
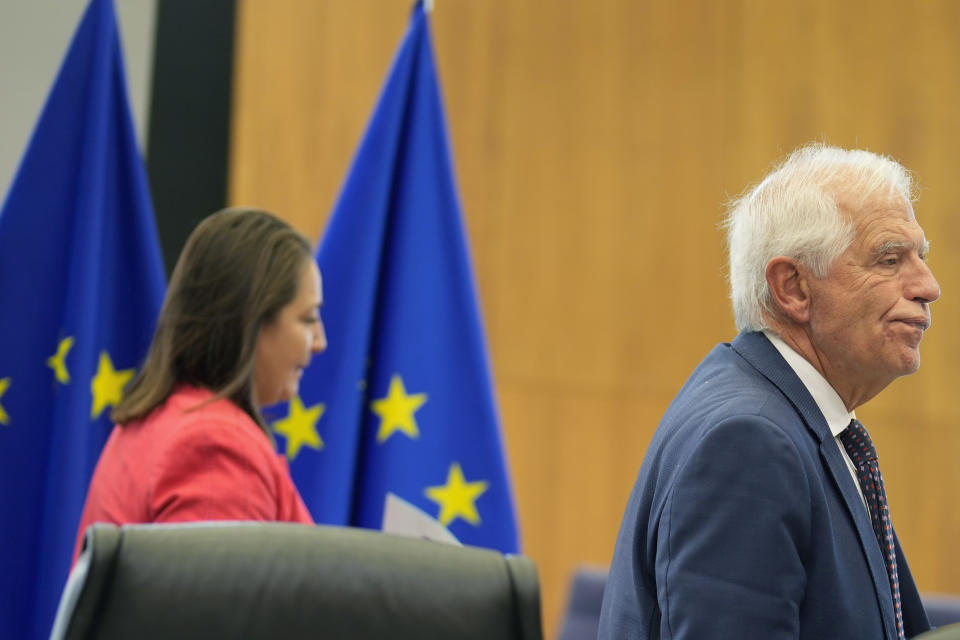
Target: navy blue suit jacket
x,y
745,521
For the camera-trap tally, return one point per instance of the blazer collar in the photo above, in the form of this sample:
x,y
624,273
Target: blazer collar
x,y
764,357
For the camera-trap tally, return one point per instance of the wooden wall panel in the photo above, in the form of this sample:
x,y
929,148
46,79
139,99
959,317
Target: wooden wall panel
x,y
595,144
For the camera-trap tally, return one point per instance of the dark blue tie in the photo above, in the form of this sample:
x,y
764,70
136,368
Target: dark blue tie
x,y
860,448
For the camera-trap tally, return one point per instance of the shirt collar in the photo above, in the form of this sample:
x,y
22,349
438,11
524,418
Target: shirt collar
x,y
827,399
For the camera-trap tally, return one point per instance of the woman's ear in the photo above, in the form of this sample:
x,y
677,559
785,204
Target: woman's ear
x,y
789,288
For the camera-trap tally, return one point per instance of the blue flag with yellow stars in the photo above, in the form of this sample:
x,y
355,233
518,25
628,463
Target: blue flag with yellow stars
x,y
81,283
402,402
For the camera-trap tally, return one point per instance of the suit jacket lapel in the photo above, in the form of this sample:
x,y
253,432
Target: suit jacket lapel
x,y
757,350
861,520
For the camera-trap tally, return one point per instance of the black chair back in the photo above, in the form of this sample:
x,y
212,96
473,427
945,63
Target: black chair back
x,y
273,580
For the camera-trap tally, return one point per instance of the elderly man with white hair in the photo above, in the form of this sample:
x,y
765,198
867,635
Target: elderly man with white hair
x,y
759,510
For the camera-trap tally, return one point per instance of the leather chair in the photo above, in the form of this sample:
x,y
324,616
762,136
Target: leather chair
x,y
274,580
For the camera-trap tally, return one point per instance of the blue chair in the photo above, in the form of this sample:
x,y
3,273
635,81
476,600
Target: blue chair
x,y
583,606
942,609
586,596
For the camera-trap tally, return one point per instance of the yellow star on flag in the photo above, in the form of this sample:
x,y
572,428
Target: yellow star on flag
x,y
4,383
58,361
300,427
457,497
107,385
397,409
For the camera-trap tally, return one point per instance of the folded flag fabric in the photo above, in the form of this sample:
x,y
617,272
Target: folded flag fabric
x,y
402,401
81,283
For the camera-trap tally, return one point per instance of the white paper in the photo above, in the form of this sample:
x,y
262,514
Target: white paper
x,y
402,518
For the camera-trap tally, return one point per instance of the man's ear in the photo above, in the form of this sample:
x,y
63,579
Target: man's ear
x,y
789,288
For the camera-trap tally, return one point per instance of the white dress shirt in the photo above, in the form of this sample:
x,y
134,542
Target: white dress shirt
x,y
827,399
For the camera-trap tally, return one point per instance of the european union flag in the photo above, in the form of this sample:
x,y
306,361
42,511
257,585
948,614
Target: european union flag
x,y
81,283
401,402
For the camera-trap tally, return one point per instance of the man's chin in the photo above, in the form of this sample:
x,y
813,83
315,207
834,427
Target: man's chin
x,y
909,361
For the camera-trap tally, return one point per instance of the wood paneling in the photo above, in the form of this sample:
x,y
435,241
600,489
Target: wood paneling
x,y
595,144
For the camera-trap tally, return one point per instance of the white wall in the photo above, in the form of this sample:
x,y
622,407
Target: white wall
x,y
34,35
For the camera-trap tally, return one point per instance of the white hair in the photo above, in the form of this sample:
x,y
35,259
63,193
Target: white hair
x,y
802,210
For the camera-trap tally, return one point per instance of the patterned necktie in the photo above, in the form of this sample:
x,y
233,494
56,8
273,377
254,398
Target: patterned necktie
x,y
859,447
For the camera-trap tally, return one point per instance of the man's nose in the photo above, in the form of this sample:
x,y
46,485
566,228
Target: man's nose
x,y
923,286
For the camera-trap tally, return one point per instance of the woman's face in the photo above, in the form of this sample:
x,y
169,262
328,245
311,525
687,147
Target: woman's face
x,y
285,345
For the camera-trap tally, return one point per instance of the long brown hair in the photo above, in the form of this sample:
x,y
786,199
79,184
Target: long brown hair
x,y
238,268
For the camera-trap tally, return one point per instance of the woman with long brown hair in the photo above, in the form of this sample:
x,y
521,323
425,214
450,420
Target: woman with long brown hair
x,y
239,323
